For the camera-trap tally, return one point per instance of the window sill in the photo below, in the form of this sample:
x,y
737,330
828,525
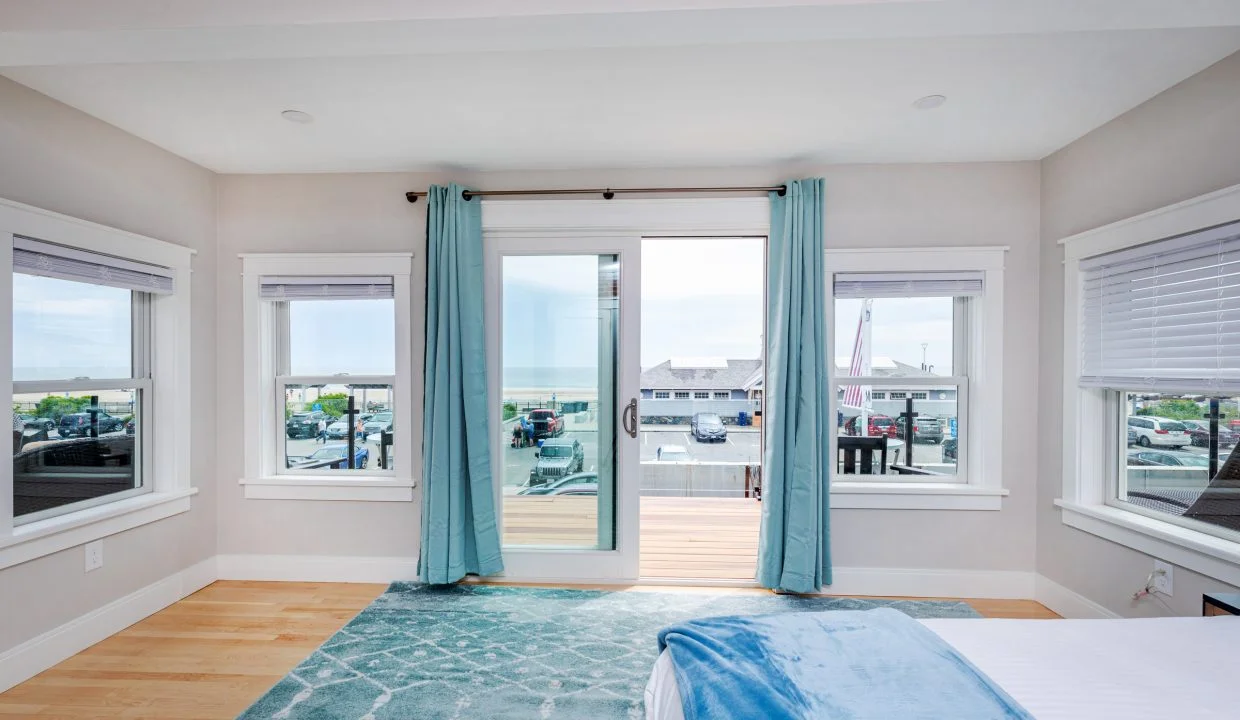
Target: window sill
x,y
45,537
292,487
1197,551
914,496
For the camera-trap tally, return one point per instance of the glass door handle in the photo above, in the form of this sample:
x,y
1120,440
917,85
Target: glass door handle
x,y
629,418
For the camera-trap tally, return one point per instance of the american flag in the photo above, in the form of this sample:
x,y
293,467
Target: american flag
x,y
853,393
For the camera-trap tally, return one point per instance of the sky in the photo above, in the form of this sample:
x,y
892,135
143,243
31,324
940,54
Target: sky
x,y
64,329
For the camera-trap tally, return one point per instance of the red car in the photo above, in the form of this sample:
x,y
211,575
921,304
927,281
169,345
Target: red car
x,y
547,423
878,425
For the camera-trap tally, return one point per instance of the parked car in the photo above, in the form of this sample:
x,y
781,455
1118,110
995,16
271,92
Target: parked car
x,y
1132,436
338,430
1159,431
1199,432
319,459
878,425
47,424
378,423
306,424
131,425
79,424
949,449
557,458
1167,458
672,453
925,429
707,427
576,484
547,423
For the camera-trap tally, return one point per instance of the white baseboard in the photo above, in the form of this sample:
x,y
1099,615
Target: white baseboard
x,y
1068,603
37,654
316,568
908,582
848,581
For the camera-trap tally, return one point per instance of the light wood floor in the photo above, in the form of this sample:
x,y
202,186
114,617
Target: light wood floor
x,y
212,654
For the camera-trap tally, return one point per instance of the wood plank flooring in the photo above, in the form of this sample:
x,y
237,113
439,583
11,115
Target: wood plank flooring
x,y
209,656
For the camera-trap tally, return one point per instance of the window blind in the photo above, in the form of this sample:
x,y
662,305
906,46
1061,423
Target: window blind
x,y
1164,316
319,287
885,285
35,257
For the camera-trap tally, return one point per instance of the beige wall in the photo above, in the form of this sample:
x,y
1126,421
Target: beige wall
x,y
878,205
1180,144
57,158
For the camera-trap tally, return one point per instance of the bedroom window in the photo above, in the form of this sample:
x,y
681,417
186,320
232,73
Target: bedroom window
x,y
332,415
1158,346
99,383
81,378
917,342
902,330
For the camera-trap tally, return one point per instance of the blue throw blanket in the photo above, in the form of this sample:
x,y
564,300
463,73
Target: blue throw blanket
x,y
860,665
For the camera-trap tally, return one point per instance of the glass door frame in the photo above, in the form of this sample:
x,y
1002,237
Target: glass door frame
x,y
574,565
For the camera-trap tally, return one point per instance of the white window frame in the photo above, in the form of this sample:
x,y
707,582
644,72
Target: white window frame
x,y
1089,418
678,393
265,477
701,394
662,395
722,395
166,406
978,484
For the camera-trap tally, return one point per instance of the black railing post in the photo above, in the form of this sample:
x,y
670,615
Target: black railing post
x,y
385,442
908,416
352,413
1213,416
94,416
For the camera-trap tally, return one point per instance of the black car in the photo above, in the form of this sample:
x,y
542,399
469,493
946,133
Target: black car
x,y
80,424
306,424
380,422
46,424
707,427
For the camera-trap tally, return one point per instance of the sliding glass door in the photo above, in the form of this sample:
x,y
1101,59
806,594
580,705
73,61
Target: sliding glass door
x,y
563,349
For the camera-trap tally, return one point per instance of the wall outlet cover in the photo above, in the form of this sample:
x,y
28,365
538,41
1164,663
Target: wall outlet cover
x,y
1164,579
94,555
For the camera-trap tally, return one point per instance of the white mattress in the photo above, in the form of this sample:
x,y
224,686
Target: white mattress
x,y
1155,669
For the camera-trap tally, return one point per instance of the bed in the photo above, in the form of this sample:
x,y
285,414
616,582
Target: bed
x,y
1059,669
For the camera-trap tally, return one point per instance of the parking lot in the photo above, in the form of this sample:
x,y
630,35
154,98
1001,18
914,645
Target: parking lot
x,y
303,447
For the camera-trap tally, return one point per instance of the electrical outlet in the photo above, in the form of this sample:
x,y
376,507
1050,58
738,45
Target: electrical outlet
x,y
94,555
1164,580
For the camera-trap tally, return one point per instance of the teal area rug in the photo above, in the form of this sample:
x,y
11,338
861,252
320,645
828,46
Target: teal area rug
x,y
495,652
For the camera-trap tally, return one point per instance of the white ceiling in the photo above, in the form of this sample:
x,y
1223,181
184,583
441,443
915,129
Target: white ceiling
x,y
490,85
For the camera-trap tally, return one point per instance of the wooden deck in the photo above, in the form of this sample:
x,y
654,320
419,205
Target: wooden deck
x,y
681,538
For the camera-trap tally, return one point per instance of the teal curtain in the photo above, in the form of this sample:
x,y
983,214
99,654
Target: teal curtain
x,y
794,551
459,534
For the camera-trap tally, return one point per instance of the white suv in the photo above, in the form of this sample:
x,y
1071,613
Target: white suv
x,y
1162,432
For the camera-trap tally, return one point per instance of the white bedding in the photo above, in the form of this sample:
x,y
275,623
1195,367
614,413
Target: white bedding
x,y
1155,669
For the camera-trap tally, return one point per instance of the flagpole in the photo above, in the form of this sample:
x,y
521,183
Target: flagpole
x,y
866,362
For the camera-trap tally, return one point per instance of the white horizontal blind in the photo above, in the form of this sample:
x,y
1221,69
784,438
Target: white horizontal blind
x,y
320,287
886,285
35,257
1164,316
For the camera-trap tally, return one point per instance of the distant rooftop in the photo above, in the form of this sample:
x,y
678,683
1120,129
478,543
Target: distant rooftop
x,y
699,363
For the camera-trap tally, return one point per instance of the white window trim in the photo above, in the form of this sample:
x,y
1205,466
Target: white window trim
x,y
261,479
168,471
1087,475
981,487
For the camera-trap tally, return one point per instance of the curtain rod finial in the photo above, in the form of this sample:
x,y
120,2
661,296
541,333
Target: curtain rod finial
x,y
411,197
782,191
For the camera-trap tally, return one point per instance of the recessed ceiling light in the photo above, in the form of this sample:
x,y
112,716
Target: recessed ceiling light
x,y
297,116
930,102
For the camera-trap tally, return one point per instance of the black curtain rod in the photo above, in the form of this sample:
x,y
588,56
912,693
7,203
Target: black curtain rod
x,y
608,193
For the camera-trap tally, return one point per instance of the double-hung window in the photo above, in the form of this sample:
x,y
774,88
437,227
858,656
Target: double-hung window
x,y
1160,345
916,339
328,357
99,382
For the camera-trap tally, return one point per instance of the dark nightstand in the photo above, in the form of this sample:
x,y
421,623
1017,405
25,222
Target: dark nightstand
x,y
1220,604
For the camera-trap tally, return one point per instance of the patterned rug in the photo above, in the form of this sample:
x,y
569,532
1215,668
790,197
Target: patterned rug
x,y
496,652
